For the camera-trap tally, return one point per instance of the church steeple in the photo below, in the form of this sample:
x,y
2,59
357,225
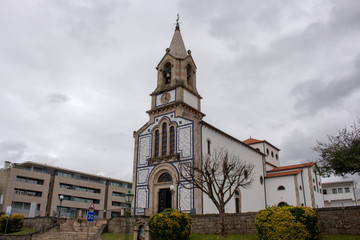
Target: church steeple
x,y
177,46
176,74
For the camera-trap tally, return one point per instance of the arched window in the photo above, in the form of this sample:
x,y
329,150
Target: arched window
x,y
281,188
167,72
189,74
237,201
246,174
283,204
157,141
164,139
165,177
172,140
261,180
208,146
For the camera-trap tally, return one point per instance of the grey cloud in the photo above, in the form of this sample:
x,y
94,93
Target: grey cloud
x,y
57,98
12,150
313,96
297,148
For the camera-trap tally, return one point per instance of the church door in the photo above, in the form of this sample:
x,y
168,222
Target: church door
x,y
164,199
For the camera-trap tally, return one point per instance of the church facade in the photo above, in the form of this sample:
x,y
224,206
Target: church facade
x,y
177,136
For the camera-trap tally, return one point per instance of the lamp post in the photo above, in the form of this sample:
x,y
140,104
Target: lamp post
x,y
172,190
61,197
128,199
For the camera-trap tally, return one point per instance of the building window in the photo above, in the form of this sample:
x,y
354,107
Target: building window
x,y
281,188
80,199
157,141
118,194
115,214
324,191
300,188
209,146
272,154
347,190
277,157
246,174
334,191
172,140
237,201
314,188
261,180
119,204
27,192
164,139
267,151
30,180
165,177
340,190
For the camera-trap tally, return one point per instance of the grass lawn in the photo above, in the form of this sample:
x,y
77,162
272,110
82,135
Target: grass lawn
x,y
114,236
117,236
25,230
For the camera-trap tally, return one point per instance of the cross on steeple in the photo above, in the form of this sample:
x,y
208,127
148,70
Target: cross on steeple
x,y
177,23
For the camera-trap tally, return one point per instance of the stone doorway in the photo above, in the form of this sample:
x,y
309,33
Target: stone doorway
x,y
165,199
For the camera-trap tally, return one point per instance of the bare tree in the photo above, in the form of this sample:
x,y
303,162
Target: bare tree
x,y
219,176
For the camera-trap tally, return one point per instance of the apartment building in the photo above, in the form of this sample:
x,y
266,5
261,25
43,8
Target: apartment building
x,y
32,188
339,194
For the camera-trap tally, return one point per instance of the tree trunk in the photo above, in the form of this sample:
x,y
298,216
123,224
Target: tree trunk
x,y
222,220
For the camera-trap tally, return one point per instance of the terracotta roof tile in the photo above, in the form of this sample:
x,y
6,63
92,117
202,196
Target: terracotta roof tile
x,y
252,140
292,167
284,173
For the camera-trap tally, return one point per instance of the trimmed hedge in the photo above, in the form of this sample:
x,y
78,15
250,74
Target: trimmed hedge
x,y
287,223
170,225
15,223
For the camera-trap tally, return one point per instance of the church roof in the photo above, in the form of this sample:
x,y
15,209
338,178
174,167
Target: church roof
x,y
177,46
302,165
250,141
284,173
231,137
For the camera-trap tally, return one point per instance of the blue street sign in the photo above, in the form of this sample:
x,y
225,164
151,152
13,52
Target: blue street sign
x,y
90,216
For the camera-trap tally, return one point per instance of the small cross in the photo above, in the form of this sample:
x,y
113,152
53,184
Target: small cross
x,y
177,22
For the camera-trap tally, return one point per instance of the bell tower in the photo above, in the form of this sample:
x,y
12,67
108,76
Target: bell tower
x,y
176,79
171,138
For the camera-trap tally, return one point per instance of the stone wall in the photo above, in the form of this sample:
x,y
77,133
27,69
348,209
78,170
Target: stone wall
x,y
235,223
331,220
345,220
39,222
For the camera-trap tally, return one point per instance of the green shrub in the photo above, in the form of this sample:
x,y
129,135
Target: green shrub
x,y
170,225
15,223
287,223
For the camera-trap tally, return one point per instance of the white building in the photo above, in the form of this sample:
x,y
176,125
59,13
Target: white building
x,y
339,194
176,134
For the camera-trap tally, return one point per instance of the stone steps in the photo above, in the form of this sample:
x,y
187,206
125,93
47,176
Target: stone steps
x,y
72,229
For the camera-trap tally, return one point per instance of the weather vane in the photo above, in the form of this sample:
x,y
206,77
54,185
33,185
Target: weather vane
x,y
177,22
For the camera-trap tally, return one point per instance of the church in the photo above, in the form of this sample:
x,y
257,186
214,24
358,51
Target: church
x,y
177,136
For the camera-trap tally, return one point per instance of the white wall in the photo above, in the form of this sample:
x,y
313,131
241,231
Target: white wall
x,y
263,147
253,197
275,196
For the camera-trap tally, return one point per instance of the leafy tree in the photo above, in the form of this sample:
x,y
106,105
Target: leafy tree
x,y
341,154
219,176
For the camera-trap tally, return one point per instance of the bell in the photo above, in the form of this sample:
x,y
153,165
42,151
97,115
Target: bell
x,y
168,75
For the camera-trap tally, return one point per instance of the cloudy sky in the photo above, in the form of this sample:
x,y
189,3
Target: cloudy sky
x,y
75,76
